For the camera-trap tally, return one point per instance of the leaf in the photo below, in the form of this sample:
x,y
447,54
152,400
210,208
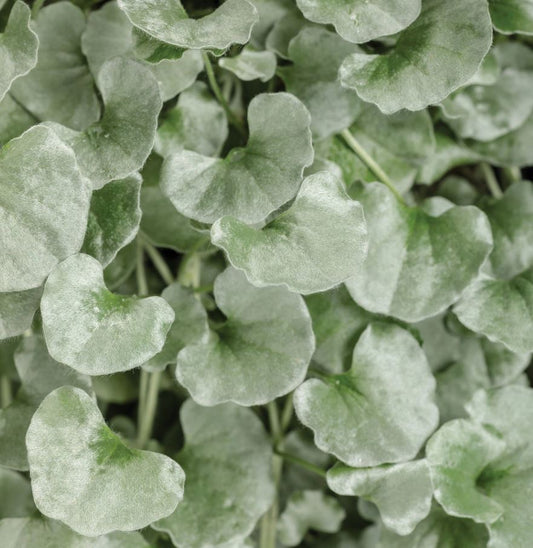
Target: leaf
x,y
120,142
458,190
284,30
251,182
317,243
190,325
316,56
88,463
17,310
510,16
419,261
39,531
250,64
118,388
60,87
230,23
196,123
309,510
14,119
114,218
269,12
18,47
381,410
16,500
227,460
95,331
402,492
434,56
360,21
45,202
260,352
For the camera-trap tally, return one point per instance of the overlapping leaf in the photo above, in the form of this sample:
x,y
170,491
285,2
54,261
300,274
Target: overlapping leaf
x,y
17,310
510,16
251,64
16,500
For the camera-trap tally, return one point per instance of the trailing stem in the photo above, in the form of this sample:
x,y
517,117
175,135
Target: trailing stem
x,y
157,260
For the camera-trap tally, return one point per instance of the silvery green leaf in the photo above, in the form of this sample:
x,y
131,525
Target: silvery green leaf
x,y
120,142
458,190
95,331
361,21
259,353
16,500
114,218
422,68
230,23
251,64
18,47
121,267
17,310
418,262
402,492
88,464
503,365
319,242
196,123
309,510
14,119
190,325
514,54
43,218
251,182
488,72
60,88
40,531
227,461
269,12
316,56
382,409
284,30
512,16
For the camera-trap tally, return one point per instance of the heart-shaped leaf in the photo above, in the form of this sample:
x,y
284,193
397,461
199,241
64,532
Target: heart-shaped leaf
x,y
60,87
88,463
421,69
319,242
381,410
510,16
230,23
45,203
420,260
361,21
17,310
95,331
251,182
227,461
251,64
260,352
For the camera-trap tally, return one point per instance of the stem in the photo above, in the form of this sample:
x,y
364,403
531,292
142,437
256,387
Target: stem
x,y
220,97
286,414
322,376
140,272
189,271
143,387
5,391
303,463
37,5
354,144
147,419
512,174
158,261
491,180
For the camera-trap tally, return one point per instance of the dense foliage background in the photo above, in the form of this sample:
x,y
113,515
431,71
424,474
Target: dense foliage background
x,y
266,273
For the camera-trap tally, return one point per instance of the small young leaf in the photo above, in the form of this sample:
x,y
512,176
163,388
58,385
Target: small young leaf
x,y
259,353
510,16
88,463
381,410
95,331
251,182
17,310
250,64
319,242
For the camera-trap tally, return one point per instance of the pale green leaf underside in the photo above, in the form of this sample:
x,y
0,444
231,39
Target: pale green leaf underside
x,y
418,264
309,510
259,353
16,500
18,47
227,462
510,16
438,53
381,410
44,202
95,331
251,182
250,64
88,464
17,310
167,21
316,244
360,21
60,88
402,492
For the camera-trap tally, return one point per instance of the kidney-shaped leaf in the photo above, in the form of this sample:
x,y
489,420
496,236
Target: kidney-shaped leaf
x,y
259,353
95,331
438,53
382,409
250,182
87,463
319,242
227,461
44,203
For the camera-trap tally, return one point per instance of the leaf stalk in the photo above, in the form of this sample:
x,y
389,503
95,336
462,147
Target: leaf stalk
x,y
491,180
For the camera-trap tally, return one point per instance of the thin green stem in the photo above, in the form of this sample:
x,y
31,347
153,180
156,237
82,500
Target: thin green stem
x,y
219,95
158,261
275,424
189,271
286,414
322,376
5,391
512,174
37,5
150,406
140,272
376,169
302,463
143,388
491,180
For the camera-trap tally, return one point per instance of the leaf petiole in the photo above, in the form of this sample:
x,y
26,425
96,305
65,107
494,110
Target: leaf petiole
x,y
302,463
491,180
157,260
6,396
